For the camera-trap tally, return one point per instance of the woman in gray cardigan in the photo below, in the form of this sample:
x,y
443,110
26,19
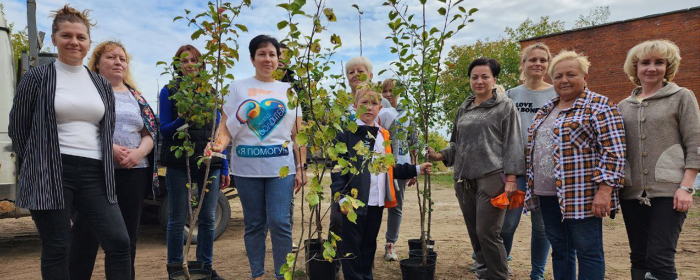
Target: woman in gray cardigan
x,y
662,127
487,154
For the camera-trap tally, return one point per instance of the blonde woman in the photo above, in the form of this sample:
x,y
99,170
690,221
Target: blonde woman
x,y
582,133
135,129
662,125
528,98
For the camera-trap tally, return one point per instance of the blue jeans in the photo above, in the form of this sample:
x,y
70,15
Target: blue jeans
x,y
176,180
572,240
266,203
539,245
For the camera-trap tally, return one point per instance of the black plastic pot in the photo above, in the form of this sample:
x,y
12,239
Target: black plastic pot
x,y
313,245
418,253
414,244
195,274
175,267
412,269
320,269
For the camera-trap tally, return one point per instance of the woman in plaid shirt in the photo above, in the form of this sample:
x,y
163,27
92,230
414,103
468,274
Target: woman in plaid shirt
x,y
575,167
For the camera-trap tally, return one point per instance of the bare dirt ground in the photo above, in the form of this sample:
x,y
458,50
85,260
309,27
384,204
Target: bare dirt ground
x,y
20,246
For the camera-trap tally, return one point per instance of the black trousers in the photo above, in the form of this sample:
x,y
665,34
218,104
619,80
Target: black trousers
x,y
84,189
360,240
336,226
653,233
131,186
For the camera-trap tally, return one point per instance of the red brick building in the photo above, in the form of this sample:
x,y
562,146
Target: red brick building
x,y
606,46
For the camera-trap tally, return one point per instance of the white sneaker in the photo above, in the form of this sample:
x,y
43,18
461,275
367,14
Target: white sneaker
x,y
473,267
390,252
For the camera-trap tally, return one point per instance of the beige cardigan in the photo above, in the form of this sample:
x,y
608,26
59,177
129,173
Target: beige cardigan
x,y
663,139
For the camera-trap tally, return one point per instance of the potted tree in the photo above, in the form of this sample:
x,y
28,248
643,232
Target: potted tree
x,y
419,48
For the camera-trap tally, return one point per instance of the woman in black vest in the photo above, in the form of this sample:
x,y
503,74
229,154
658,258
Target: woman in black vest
x,y
176,177
61,126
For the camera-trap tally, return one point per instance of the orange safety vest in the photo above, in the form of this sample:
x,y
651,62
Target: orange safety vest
x,y
390,196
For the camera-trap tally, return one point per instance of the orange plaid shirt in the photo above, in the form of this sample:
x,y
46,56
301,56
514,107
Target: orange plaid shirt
x,y
589,150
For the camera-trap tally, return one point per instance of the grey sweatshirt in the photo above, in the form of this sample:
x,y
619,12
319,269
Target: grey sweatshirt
x,y
486,139
528,102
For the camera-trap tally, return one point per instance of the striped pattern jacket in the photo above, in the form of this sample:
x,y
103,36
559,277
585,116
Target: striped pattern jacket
x,y
589,150
34,137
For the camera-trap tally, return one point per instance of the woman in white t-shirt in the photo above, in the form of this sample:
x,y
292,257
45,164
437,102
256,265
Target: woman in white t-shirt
x,y
263,128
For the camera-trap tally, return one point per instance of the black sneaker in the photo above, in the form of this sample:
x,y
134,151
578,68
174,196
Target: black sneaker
x,y
214,275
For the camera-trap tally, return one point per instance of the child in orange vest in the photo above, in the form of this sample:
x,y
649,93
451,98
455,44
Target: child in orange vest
x,y
376,191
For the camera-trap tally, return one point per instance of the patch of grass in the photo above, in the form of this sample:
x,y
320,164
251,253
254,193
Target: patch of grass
x,y
442,180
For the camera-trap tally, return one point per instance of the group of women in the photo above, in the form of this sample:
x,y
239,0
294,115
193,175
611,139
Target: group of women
x,y
584,157
85,138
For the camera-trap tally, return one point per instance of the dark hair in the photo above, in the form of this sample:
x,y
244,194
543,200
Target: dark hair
x,y
193,52
262,41
490,62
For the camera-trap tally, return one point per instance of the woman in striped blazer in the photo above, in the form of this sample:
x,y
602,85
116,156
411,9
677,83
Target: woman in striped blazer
x,y
61,126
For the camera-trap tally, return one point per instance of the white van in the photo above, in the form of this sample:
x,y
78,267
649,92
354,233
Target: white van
x,y
8,168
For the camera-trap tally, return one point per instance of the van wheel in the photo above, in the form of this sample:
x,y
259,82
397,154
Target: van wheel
x,y
223,215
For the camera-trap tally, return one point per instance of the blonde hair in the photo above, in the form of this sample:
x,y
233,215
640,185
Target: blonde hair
x,y
359,60
70,14
582,60
365,90
105,47
526,52
388,84
661,48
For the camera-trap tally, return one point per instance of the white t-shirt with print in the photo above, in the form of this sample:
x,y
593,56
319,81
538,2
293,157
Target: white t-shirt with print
x,y
260,123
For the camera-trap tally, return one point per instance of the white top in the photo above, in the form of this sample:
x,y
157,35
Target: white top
x,y
128,124
388,117
260,124
79,111
377,191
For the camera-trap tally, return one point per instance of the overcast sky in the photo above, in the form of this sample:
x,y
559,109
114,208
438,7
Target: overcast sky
x,y
148,32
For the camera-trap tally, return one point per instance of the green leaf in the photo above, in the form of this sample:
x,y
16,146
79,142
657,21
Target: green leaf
x,y
330,16
178,153
302,139
473,10
352,216
242,27
284,171
341,148
313,199
176,18
335,39
352,127
195,35
442,11
282,24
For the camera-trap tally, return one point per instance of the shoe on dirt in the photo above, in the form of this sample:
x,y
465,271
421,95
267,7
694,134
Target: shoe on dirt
x,y
390,252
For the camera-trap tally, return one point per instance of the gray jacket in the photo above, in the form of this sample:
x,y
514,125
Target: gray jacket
x,y
663,139
486,139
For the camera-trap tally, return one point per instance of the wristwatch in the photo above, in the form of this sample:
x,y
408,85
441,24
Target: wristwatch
x,y
690,190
